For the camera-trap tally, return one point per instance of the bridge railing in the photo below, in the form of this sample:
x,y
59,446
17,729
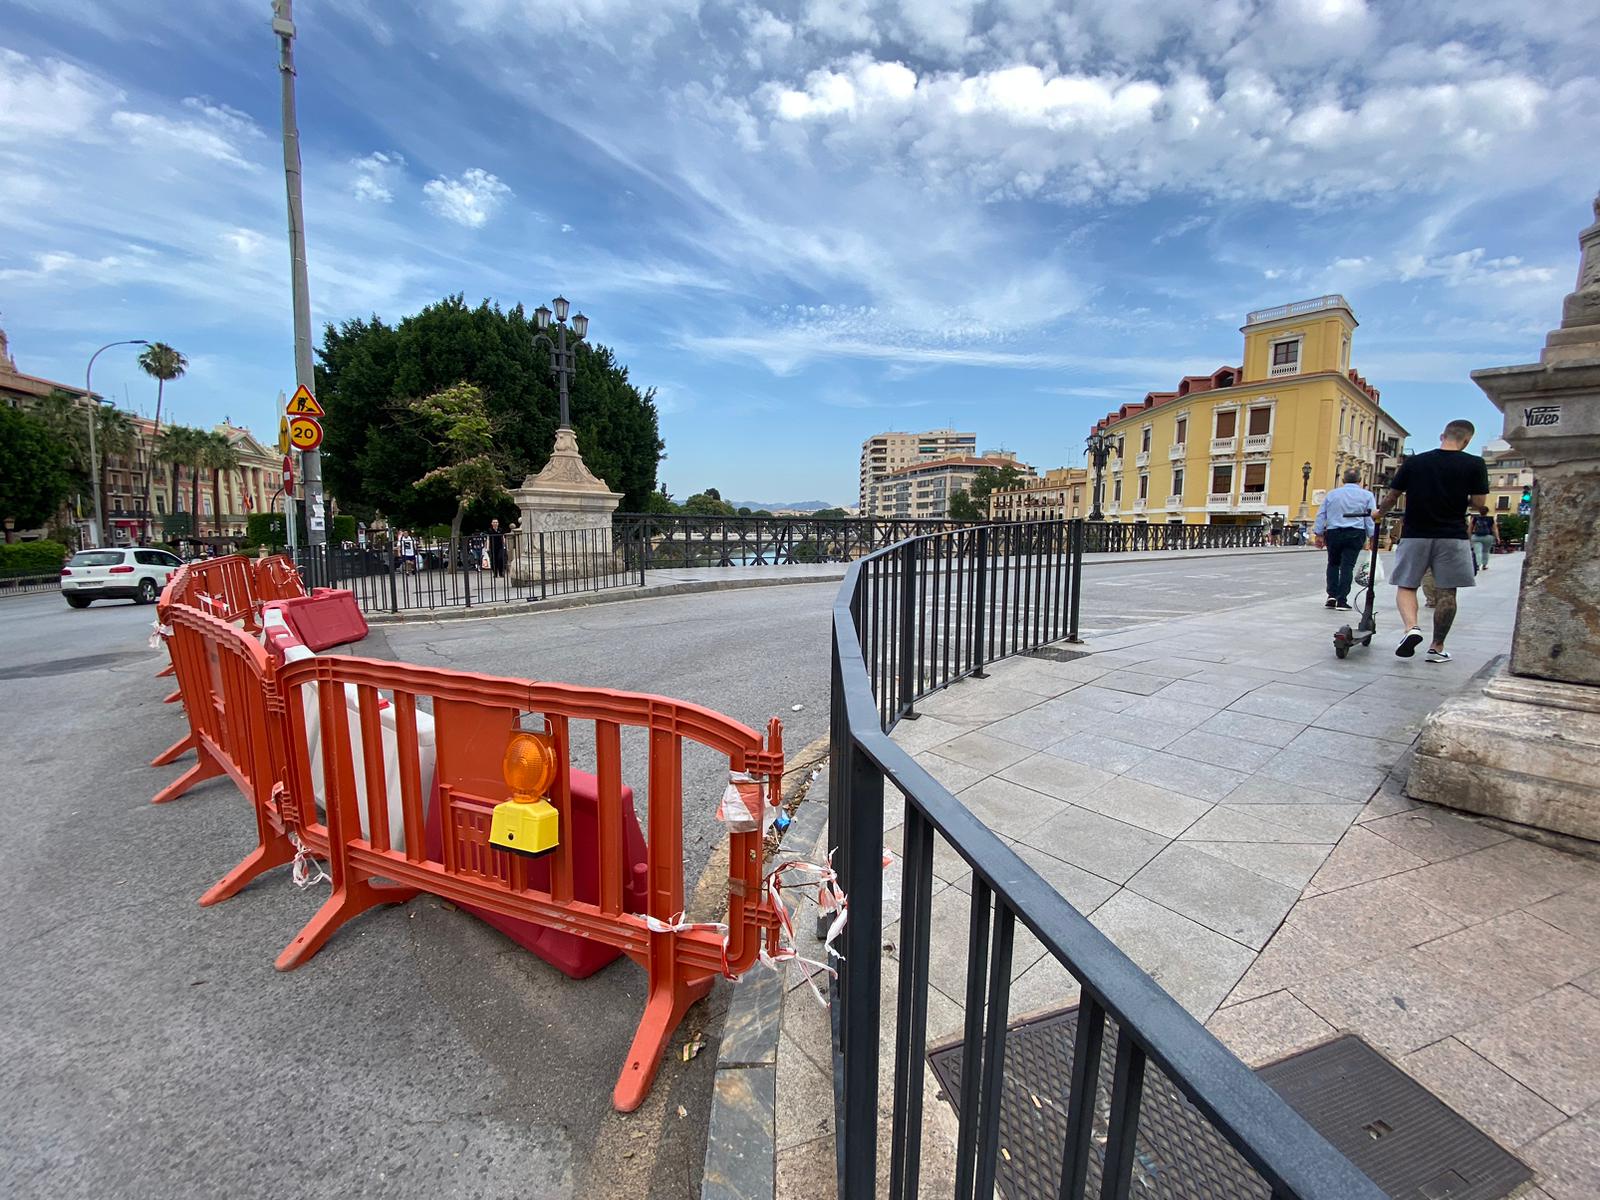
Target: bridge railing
x,y
883,662
682,540
1105,537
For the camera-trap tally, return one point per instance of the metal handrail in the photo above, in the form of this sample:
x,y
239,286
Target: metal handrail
x,y
1293,1159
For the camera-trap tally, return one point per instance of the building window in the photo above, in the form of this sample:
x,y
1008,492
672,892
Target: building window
x,y
1260,422
1503,503
1222,480
1344,353
1227,423
1181,434
1177,482
1121,446
1144,487
1116,491
1285,357
1144,440
1255,478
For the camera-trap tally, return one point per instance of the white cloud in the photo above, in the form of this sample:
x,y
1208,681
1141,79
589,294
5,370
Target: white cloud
x,y
470,200
218,133
48,98
376,175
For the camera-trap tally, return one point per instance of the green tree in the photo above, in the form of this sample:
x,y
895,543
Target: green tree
x,y
963,508
182,446
457,420
708,503
67,417
163,364
830,514
35,469
114,437
660,504
218,454
376,448
993,479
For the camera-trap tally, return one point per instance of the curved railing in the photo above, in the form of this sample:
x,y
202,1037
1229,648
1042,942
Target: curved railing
x,y
1016,579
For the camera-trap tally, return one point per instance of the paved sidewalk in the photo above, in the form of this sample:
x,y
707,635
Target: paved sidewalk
x,y
1226,801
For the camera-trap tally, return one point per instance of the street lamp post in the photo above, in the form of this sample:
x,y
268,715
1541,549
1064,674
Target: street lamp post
x,y
94,460
1099,449
563,362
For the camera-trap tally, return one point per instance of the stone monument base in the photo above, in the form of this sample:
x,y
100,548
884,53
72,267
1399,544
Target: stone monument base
x,y
1522,749
565,528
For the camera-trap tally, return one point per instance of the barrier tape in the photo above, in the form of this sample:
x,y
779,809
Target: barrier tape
x,y
307,869
830,898
159,632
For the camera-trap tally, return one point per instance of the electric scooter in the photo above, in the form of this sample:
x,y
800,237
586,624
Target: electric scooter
x,y
1345,637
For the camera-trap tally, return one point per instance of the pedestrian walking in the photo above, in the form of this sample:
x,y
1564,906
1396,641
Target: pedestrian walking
x,y
497,547
1483,537
407,546
1277,528
1439,486
1344,524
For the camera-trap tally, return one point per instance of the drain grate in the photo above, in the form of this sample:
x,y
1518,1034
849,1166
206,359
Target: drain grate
x,y
1056,654
1407,1141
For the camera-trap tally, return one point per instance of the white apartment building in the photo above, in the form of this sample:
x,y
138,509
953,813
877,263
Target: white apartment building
x,y
923,490
884,453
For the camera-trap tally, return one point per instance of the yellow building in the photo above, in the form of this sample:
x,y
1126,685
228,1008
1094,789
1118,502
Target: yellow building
x,y
1510,478
1232,447
1060,495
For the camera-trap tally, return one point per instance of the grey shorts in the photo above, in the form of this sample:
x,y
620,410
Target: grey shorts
x,y
1450,558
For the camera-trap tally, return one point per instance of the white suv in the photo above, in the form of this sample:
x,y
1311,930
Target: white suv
x,y
133,573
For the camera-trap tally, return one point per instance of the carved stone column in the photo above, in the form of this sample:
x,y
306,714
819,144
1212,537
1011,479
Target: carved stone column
x,y
1527,747
566,518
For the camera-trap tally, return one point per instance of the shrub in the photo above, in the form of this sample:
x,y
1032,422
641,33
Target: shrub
x,y
344,530
32,558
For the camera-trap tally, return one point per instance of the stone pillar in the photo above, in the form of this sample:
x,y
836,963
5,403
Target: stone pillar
x,y
572,508
1527,747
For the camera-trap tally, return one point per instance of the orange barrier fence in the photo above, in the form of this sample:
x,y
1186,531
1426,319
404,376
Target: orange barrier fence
x,y
354,758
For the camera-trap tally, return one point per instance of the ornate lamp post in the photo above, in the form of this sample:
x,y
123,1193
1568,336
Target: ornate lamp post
x,y
94,460
1099,446
563,362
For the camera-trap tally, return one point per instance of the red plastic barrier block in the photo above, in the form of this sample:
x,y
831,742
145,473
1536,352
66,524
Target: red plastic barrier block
x,y
575,956
328,617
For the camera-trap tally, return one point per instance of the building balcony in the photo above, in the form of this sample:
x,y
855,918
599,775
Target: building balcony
x,y
1346,443
1219,501
1253,501
1142,459
1174,502
1114,465
1177,451
1140,505
1224,446
1280,369
1257,443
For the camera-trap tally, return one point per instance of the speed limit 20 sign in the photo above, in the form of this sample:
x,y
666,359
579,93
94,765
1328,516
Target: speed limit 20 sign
x,y
305,433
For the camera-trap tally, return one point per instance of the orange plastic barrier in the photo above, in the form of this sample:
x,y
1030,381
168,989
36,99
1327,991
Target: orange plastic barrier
x,y
474,716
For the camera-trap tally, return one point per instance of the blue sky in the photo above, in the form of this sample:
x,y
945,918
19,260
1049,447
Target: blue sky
x,y
808,221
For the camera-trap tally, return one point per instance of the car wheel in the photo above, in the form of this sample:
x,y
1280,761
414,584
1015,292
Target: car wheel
x,y
78,601
147,591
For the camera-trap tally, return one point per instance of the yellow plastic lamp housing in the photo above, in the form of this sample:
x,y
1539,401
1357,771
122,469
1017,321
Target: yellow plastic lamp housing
x,y
527,824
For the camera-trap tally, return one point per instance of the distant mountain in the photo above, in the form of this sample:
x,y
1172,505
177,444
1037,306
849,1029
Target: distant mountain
x,y
775,505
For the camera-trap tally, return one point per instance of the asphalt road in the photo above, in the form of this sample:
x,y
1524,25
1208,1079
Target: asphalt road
x,y
151,1049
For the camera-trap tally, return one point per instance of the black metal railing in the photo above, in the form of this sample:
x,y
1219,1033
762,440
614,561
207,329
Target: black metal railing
x,y
690,541
885,658
398,576
21,583
1113,538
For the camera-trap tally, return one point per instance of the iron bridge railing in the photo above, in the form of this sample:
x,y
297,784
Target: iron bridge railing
x,y
692,541
1114,538
907,621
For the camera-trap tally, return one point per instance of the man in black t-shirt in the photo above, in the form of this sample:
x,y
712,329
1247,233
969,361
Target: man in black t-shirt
x,y
1439,486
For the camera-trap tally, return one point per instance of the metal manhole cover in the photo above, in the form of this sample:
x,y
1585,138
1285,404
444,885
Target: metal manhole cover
x,y
1056,654
1406,1140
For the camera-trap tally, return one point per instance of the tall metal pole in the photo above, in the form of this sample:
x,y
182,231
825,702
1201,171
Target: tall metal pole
x,y
304,374
94,416
562,371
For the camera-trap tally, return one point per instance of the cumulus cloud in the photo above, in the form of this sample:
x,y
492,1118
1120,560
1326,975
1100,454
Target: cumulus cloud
x,y
376,175
48,98
470,199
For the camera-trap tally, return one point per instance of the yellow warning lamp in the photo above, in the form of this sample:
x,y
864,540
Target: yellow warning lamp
x,y
527,824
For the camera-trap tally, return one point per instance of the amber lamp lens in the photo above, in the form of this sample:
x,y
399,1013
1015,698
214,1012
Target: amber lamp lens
x,y
530,765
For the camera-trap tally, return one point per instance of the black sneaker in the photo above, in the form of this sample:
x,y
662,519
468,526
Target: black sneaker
x,y
1331,603
1408,644
1342,606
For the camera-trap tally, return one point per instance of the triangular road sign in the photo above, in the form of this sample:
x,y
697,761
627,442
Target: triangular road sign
x,y
303,403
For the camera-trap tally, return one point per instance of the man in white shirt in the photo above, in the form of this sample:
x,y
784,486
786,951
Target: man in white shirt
x,y
1344,525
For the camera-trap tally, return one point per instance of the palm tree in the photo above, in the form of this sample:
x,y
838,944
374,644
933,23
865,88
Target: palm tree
x,y
114,435
164,363
181,446
218,453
